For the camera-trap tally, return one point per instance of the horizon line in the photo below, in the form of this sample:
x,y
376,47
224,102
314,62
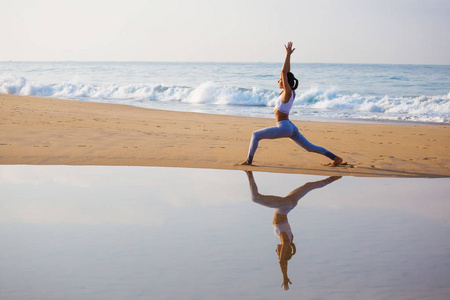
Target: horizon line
x,y
212,62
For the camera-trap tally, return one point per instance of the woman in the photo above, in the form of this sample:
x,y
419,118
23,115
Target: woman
x,y
282,228
284,127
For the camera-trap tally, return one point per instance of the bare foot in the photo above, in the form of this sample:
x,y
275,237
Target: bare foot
x,y
244,163
337,161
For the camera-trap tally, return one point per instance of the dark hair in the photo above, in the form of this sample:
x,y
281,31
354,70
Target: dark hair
x,y
292,251
293,82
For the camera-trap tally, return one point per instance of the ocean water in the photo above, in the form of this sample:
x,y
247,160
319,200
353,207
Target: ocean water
x,y
339,92
96,232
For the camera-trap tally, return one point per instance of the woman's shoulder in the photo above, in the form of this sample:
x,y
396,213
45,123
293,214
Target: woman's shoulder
x,y
286,96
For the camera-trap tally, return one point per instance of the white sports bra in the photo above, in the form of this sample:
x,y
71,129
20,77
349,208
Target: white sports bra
x,y
285,107
283,227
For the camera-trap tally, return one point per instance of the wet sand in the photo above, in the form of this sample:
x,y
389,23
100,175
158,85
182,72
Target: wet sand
x,y
44,131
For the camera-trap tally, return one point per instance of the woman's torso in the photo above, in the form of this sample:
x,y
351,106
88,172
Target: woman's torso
x,y
278,218
282,109
285,227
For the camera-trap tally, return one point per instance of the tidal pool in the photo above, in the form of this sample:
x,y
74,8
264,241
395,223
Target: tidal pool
x,y
89,232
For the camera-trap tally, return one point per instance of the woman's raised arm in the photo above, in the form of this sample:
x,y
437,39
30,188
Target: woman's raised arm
x,y
286,68
287,61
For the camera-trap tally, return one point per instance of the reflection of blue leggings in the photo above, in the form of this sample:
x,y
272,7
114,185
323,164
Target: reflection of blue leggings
x,y
284,129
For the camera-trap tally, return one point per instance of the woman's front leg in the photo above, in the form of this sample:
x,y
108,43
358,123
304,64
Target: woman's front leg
x,y
266,133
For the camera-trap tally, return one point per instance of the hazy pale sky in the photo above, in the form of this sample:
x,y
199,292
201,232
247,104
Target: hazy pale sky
x,y
336,31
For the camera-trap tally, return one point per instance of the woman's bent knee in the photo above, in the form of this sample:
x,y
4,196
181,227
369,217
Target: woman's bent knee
x,y
255,136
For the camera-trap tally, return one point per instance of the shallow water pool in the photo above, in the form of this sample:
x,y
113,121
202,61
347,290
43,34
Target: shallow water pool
x,y
70,232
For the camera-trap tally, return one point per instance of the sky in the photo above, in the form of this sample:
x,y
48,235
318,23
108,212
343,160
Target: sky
x,y
324,31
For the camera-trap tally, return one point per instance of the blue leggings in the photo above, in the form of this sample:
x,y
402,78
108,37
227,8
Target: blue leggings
x,y
284,129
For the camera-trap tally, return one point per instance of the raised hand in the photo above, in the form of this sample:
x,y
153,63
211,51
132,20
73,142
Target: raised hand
x,y
289,48
285,284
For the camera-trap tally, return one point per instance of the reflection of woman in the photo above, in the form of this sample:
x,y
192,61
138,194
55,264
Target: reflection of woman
x,y
285,128
282,229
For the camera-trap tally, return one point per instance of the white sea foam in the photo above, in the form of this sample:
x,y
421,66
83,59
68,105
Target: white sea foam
x,y
328,102
212,93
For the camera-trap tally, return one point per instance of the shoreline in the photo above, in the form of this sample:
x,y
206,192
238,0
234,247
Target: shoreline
x,y
297,118
49,131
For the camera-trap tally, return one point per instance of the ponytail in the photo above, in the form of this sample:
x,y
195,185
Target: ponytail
x,y
293,82
292,248
291,252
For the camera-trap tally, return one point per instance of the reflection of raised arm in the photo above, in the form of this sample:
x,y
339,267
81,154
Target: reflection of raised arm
x,y
282,251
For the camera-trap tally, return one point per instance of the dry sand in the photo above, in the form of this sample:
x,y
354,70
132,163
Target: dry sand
x,y
46,131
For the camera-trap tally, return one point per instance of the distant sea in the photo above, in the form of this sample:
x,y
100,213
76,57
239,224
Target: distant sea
x,y
327,92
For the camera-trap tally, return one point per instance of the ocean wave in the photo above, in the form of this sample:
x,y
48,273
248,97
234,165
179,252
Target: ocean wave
x,y
68,90
205,93
429,108
212,93
417,108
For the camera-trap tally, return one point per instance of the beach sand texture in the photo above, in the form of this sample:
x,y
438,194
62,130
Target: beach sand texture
x,y
46,131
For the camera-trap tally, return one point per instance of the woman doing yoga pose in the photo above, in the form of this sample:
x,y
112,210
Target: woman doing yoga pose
x,y
284,127
281,226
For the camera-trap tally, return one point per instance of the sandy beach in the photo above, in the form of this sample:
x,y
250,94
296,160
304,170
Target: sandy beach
x,y
46,131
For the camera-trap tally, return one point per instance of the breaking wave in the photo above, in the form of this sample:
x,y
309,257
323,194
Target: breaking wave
x,y
408,108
